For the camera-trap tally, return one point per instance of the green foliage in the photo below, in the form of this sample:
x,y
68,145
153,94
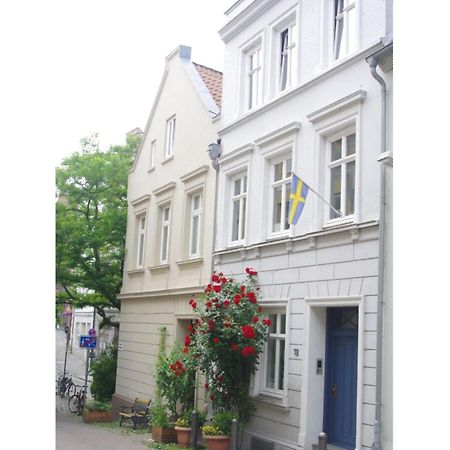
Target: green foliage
x,y
185,420
223,422
103,371
158,416
91,214
95,405
227,340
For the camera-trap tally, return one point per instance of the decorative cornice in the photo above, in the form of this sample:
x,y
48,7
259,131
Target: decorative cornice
x,y
166,187
135,271
163,292
194,173
189,262
159,267
337,106
141,199
236,153
292,127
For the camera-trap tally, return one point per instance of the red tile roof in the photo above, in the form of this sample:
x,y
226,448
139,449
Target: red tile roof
x,y
213,80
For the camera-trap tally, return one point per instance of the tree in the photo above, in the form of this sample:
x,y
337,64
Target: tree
x,y
91,214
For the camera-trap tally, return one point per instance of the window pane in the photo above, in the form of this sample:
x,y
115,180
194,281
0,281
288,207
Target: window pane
x,y
283,58
237,186
166,214
351,139
244,206
142,223
278,173
141,250
286,206
336,150
194,241
235,224
276,209
335,191
288,168
244,184
164,243
338,41
283,324
350,194
273,326
270,373
196,203
281,366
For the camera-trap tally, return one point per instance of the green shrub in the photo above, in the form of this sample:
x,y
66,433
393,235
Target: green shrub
x,y
95,405
158,417
103,372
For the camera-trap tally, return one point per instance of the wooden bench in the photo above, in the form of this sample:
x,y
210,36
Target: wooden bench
x,y
136,413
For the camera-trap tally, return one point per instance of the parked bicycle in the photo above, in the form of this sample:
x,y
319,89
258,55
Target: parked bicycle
x,y
77,400
65,386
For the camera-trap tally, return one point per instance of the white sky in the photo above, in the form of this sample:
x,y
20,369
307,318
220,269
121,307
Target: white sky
x,y
97,64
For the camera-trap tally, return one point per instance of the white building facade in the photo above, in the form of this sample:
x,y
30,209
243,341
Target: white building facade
x,y
299,96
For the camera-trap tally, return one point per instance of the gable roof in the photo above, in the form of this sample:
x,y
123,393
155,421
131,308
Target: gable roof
x,y
213,80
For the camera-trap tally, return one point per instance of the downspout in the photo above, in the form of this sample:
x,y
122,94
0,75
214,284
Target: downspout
x,y
373,62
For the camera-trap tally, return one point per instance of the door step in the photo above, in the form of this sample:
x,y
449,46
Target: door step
x,y
329,447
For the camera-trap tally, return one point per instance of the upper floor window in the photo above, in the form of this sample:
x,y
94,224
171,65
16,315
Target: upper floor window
x,y
152,154
165,224
254,77
170,136
195,225
239,207
287,57
281,170
345,38
140,242
341,168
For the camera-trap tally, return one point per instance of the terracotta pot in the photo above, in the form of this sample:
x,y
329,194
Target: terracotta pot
x,y
217,442
97,416
165,435
183,437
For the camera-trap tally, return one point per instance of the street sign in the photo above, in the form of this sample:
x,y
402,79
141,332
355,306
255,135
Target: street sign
x,y
92,332
88,342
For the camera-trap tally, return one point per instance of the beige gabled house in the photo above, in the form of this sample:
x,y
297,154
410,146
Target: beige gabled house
x,y
171,194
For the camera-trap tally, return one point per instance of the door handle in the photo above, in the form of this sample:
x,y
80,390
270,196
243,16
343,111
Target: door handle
x,y
333,390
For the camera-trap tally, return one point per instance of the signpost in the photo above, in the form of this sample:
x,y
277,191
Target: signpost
x,y
88,342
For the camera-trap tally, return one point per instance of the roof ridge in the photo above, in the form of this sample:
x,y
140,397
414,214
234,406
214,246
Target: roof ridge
x,y
206,67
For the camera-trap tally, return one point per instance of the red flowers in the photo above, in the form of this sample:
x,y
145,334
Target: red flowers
x,y
185,349
211,325
216,340
248,351
226,303
255,319
251,296
215,278
251,272
242,288
217,289
234,347
190,328
237,299
177,368
187,341
208,304
260,309
248,331
267,322
193,303
206,385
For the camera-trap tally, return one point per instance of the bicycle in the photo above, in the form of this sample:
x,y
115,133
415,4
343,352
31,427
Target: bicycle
x,y
77,400
65,386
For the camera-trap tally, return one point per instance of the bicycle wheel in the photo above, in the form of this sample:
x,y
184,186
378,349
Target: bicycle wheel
x,y
72,389
73,403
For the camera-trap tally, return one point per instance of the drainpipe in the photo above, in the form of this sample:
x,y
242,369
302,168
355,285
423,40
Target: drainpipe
x,y
373,62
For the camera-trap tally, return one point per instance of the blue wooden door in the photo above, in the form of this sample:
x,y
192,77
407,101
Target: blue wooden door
x,y
341,376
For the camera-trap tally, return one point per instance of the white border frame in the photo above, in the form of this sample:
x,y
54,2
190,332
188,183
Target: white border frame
x,y
326,302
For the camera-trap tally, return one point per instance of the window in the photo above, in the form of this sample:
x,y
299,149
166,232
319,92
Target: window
x,y
170,136
342,175
288,57
281,191
152,154
345,39
254,77
238,207
165,223
274,353
195,225
140,242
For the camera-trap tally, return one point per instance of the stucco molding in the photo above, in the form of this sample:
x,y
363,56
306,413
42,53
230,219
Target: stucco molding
x,y
165,188
194,173
244,150
162,293
142,199
188,263
290,128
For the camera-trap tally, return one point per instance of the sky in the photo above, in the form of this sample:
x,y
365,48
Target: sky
x,y
96,64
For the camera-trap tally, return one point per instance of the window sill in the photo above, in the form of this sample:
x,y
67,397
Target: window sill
x,y
277,402
159,267
169,158
236,244
278,236
151,169
190,262
337,223
135,271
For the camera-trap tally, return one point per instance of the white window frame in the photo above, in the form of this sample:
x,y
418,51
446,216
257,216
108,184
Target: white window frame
x,y
289,54
170,136
254,77
140,239
342,162
273,185
195,213
152,154
241,197
165,225
349,7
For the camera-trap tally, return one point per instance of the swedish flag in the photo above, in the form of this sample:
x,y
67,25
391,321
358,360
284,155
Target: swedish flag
x,y
297,199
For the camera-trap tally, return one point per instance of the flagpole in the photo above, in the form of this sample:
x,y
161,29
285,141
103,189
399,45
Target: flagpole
x,y
318,195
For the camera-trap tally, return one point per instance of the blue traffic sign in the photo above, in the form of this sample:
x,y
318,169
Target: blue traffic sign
x,y
88,342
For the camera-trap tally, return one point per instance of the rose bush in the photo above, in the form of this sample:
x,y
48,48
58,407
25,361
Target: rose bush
x,y
227,339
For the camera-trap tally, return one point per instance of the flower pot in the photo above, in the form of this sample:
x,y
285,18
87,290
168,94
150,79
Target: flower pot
x,y
165,435
97,416
217,442
183,437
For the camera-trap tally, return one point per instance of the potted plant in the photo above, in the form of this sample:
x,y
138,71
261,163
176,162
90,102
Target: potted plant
x,y
162,427
183,427
218,434
97,411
